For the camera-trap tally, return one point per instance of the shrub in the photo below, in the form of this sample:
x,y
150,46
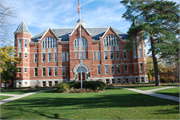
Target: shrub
x,y
89,84
163,80
61,87
176,80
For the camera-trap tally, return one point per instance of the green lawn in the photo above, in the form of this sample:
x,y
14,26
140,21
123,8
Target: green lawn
x,y
170,91
19,92
2,97
111,104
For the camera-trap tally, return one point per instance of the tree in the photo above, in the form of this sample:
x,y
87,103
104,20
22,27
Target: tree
x,y
6,16
8,61
155,23
150,67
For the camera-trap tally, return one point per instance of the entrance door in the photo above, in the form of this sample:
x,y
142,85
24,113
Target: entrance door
x,y
83,76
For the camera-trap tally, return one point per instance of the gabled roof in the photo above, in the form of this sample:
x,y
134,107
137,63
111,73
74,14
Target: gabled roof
x,y
64,33
22,28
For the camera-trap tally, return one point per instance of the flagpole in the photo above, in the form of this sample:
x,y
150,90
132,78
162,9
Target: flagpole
x,y
80,42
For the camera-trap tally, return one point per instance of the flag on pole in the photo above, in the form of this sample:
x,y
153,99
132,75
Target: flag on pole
x,y
79,7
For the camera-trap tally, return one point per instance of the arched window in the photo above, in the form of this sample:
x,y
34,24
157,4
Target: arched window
x,y
83,69
110,40
49,42
77,42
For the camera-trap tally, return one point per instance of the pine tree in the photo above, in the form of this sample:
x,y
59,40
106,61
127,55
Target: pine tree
x,y
157,22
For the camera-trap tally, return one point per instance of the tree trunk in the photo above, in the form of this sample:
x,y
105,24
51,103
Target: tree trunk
x,y
157,83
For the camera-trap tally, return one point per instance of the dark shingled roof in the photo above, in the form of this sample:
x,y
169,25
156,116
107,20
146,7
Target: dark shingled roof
x,y
64,33
22,28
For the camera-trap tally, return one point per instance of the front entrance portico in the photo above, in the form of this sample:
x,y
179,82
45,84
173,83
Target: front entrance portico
x,y
77,72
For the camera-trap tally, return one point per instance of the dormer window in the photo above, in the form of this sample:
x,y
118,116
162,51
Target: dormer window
x,y
49,42
111,40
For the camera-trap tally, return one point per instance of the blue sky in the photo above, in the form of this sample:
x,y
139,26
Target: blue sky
x,y
39,15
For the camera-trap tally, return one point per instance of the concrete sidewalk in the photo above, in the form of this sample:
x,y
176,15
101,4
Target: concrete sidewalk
x,y
15,97
151,93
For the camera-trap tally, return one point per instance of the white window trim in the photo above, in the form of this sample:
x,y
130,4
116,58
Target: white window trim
x,y
98,70
25,71
113,55
64,71
113,70
55,72
126,55
55,57
42,72
99,55
49,57
119,69
117,55
127,69
108,69
35,72
25,55
48,72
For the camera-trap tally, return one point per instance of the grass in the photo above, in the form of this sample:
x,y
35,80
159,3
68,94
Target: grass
x,y
2,97
18,92
111,104
170,91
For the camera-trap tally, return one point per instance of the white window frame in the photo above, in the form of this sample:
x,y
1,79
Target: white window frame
x,y
98,56
67,56
135,68
99,69
19,55
117,55
112,53
20,43
125,69
63,56
140,53
25,55
44,57
55,57
105,55
49,69
125,54
94,55
106,68
25,43
44,71
35,58
55,71
25,70
141,67
112,69
35,72
119,69
49,57
134,54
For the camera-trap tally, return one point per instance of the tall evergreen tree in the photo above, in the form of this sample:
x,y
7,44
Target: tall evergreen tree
x,y
158,23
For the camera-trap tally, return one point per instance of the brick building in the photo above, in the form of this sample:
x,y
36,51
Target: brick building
x,y
53,56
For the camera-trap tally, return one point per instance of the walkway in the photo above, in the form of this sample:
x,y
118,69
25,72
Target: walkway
x,y
151,93
15,97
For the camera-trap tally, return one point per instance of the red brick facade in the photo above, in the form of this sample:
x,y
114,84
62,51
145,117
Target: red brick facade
x,y
29,79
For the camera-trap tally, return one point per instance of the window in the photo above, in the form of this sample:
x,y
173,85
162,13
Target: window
x,y
25,44
141,65
117,55
110,40
135,68
44,71
126,80
113,81
63,57
140,53
55,57
25,70
76,55
119,80
50,83
139,39
63,71
56,82
19,70
125,68
35,72
19,55
84,55
43,57
99,69
77,42
25,55
49,56
55,71
142,79
107,81
49,71
125,55
118,69
112,55
107,69
134,53
137,80
35,57
49,42
67,56
105,55
81,55
19,42
112,69
94,55
98,56
44,83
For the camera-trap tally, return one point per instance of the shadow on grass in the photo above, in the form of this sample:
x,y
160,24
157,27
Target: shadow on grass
x,y
20,92
67,102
